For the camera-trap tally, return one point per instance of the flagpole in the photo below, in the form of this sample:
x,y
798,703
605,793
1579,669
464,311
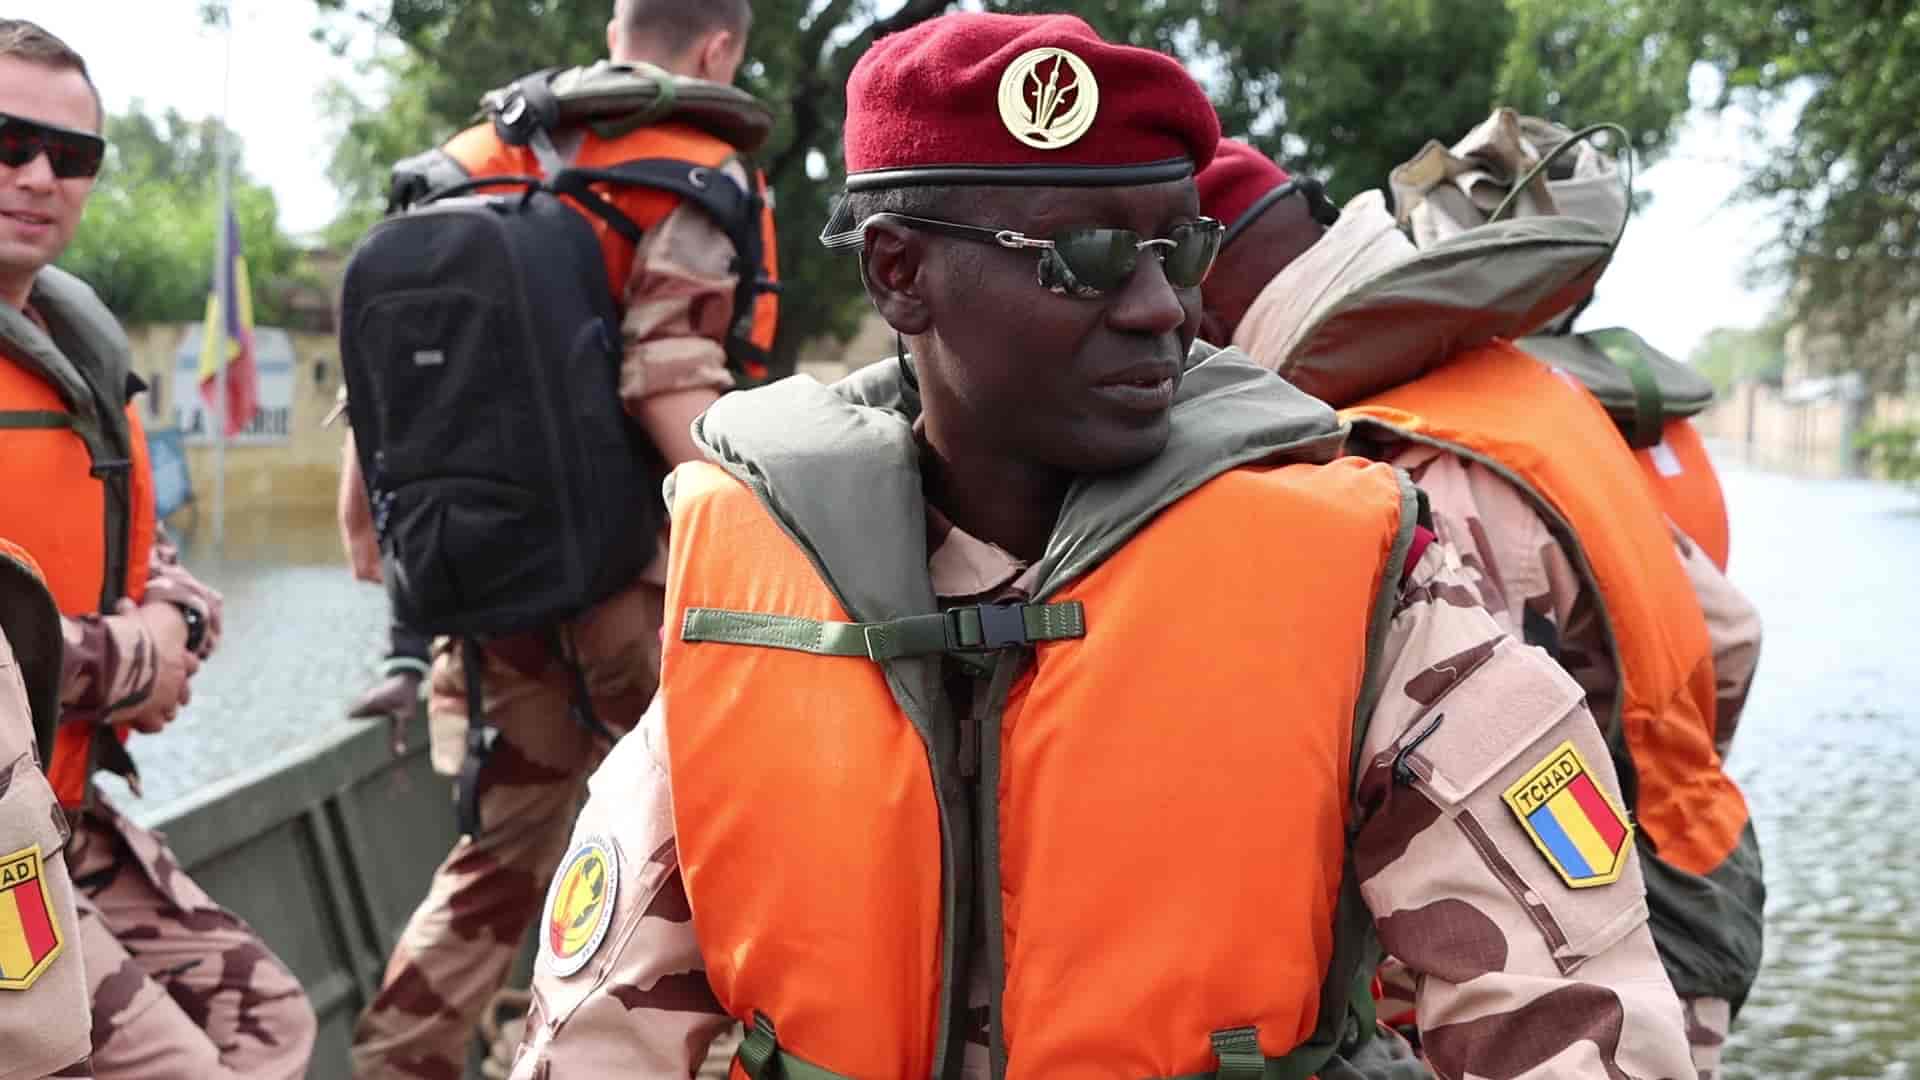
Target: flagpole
x,y
223,287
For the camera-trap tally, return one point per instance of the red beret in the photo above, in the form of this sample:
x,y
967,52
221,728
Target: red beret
x,y
1237,183
1021,99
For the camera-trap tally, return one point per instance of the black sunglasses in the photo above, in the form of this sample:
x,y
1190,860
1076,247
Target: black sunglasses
x,y
1084,263
1319,207
72,154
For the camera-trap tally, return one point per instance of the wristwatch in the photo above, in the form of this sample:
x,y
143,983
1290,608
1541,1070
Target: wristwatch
x,y
196,625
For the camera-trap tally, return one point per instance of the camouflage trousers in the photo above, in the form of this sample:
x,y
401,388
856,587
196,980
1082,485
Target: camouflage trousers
x,y
460,943
182,988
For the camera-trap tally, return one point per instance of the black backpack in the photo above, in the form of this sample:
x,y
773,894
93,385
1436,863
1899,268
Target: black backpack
x,y
481,350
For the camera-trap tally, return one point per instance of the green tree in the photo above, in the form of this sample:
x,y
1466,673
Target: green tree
x,y
1343,89
1846,188
147,242
1347,89
1729,355
1894,449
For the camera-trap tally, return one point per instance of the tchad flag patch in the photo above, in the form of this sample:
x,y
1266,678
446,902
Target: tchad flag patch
x,y
1585,837
30,938
580,905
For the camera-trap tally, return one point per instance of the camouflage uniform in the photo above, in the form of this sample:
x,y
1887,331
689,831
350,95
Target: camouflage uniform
x,y
182,988
1521,976
43,1026
458,946
1520,570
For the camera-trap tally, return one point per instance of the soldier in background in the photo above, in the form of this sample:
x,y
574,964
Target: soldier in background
x,y
1527,540
677,290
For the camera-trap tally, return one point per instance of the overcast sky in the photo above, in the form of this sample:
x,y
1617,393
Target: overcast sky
x,y
1680,271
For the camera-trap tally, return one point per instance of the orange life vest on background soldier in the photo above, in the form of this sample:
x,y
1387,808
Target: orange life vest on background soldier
x,y
1683,479
1564,454
1651,398
79,494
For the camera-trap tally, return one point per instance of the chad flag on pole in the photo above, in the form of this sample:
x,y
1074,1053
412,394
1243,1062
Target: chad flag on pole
x,y
234,310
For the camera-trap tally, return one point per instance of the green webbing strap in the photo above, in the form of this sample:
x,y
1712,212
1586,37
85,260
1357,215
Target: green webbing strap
x,y
975,628
34,420
1239,1052
759,1051
662,106
1648,407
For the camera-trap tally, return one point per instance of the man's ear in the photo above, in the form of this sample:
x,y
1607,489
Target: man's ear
x,y
891,265
717,54
613,38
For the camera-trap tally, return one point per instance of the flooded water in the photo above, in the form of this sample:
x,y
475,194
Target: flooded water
x,y
301,638
1827,751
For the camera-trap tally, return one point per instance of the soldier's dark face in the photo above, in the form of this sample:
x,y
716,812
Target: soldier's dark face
x,y
1269,245
1053,381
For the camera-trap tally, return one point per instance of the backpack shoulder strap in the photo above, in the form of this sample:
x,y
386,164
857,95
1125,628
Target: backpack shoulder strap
x,y
735,208
525,108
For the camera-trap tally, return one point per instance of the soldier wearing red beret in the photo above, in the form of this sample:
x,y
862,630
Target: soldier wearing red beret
x,y
1051,699
1542,561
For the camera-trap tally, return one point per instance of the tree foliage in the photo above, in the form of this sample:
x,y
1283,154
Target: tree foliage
x,y
1730,355
146,244
1342,89
1846,188
1894,449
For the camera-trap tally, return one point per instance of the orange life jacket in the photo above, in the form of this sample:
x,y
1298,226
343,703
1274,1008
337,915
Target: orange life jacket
x,y
1562,451
481,152
53,503
1199,737
1687,487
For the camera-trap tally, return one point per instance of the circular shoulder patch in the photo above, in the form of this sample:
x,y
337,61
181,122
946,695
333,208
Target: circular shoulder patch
x,y
1048,98
580,905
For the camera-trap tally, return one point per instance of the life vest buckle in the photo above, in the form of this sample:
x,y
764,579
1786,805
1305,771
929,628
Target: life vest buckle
x,y
1002,626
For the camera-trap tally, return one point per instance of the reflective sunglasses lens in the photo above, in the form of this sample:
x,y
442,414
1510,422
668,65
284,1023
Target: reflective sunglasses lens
x,y
1101,258
19,142
1192,254
73,155
69,153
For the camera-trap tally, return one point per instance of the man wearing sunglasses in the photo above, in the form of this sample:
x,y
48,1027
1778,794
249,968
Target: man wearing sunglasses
x,y
1476,430
181,988
1051,700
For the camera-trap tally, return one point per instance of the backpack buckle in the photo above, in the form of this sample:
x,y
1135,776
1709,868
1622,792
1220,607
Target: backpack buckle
x,y
513,122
